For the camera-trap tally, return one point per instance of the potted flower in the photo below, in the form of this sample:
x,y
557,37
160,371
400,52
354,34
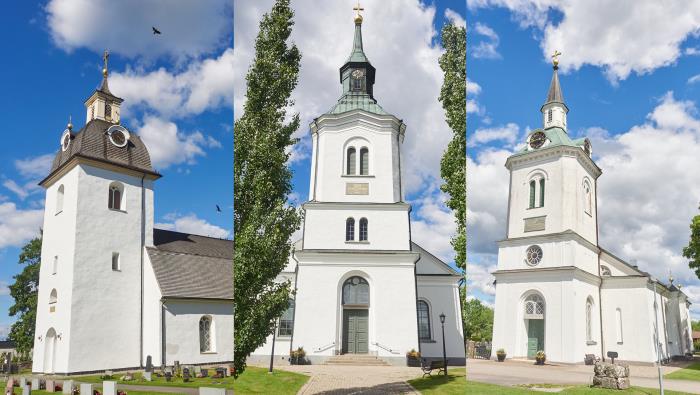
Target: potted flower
x,y
501,355
413,358
540,357
298,356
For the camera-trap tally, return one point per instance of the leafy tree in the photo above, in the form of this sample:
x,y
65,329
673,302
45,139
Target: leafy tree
x,y
24,291
695,325
692,250
479,321
453,96
263,219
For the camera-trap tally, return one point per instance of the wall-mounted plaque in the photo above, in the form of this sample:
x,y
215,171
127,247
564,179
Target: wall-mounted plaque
x,y
357,188
534,224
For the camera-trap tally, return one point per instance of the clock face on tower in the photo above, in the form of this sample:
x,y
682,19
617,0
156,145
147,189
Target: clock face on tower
x,y
537,140
358,73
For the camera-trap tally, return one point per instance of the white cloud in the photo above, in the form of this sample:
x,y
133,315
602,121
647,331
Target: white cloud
x,y
485,49
619,40
22,191
18,226
408,77
433,224
189,29
507,133
473,90
455,17
168,146
37,166
692,51
694,79
480,278
190,223
203,85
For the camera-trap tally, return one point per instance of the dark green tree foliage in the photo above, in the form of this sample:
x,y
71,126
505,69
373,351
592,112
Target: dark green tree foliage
x,y
453,96
263,219
692,251
479,321
24,291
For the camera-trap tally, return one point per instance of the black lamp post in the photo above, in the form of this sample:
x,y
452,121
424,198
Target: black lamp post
x,y
272,354
444,352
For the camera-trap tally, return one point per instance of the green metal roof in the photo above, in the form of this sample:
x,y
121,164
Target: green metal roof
x,y
357,54
354,101
555,136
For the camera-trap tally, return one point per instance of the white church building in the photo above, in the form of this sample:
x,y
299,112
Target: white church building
x,y
557,289
113,290
364,289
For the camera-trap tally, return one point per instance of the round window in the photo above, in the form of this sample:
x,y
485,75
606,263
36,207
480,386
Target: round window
x,y
533,255
118,135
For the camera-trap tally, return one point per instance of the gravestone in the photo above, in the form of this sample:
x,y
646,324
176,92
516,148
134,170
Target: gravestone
x,y
22,382
35,383
205,372
186,375
211,391
168,375
50,386
86,389
147,375
26,389
67,387
109,388
149,364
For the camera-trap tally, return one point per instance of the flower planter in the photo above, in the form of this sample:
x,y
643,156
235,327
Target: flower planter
x,y
413,362
501,357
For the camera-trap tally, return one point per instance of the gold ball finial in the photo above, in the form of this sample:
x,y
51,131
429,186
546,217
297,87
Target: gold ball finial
x,y
555,59
358,16
70,122
105,58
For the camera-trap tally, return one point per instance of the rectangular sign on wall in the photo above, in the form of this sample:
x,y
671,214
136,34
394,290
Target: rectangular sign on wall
x,y
534,223
357,188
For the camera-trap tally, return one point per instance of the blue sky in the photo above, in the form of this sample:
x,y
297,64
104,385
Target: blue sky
x,y
177,89
401,39
632,89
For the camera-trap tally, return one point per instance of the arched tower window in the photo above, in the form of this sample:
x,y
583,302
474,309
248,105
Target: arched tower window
x,y
205,334
356,291
59,199
350,229
363,229
116,196
423,320
589,319
364,161
532,193
587,198
541,192
549,115
54,269
534,307
618,325
53,297
286,325
351,159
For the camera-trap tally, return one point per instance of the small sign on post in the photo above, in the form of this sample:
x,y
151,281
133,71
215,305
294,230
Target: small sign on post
x,y
612,355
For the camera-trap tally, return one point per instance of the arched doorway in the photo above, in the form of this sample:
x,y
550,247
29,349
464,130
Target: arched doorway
x,y
355,300
50,351
534,310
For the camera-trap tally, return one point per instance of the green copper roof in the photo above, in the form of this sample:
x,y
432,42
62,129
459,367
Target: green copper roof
x,y
356,101
555,137
357,54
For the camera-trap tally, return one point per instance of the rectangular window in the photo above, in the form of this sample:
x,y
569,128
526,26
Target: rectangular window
x,y
532,194
286,323
55,265
541,192
116,265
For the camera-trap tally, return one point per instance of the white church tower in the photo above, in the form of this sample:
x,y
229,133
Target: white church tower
x,y
98,218
548,262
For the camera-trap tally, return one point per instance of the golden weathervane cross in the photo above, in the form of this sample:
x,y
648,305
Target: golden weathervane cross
x,y
358,8
555,58
105,58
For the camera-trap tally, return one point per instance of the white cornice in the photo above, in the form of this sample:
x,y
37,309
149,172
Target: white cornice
x,y
554,152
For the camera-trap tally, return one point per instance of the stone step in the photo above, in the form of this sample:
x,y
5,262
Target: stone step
x,y
356,359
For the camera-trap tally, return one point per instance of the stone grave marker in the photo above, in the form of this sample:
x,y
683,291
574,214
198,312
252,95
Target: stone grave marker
x,y
22,381
35,383
211,391
149,364
86,389
26,389
67,387
205,372
148,375
168,375
50,386
186,377
109,388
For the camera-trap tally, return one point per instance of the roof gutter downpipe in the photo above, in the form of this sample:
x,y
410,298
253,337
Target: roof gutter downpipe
x,y
600,277
143,246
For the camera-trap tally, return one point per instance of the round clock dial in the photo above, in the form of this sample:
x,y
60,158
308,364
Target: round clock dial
x,y
65,140
537,140
118,135
358,74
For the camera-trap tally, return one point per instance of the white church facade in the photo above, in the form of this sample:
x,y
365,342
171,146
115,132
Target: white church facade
x,y
113,290
363,287
557,289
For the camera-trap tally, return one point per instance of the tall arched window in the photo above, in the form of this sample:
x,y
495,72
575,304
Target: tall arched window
x,y
116,196
423,320
286,326
541,192
53,297
363,229
587,199
205,335
356,291
351,159
534,307
350,229
618,325
59,199
532,193
364,161
589,319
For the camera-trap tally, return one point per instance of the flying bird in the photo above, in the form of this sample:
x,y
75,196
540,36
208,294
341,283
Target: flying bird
x,y
218,209
155,31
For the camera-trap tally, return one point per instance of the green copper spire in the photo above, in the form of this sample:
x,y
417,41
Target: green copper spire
x,y
357,54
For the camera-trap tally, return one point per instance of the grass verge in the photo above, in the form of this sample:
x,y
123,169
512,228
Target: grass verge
x,y
256,380
692,372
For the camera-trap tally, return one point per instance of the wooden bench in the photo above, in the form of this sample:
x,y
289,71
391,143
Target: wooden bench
x,y
428,367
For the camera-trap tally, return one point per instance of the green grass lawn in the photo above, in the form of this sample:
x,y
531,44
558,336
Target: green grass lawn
x,y
226,382
257,381
454,383
692,372
491,389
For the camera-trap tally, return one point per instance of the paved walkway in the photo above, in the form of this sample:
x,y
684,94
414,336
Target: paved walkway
x,y
521,372
365,380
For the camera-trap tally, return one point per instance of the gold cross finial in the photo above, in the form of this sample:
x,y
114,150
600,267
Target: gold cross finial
x,y
358,8
105,58
555,58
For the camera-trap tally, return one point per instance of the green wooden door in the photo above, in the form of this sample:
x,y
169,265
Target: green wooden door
x,y
535,337
355,331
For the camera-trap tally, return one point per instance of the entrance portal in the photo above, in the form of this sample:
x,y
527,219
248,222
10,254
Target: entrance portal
x,y
534,323
49,351
355,331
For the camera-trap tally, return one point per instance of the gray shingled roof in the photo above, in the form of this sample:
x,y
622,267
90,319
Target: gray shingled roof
x,y
554,94
192,266
93,142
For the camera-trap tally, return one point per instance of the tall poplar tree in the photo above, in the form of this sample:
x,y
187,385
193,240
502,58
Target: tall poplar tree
x,y
263,219
24,291
453,96
692,250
